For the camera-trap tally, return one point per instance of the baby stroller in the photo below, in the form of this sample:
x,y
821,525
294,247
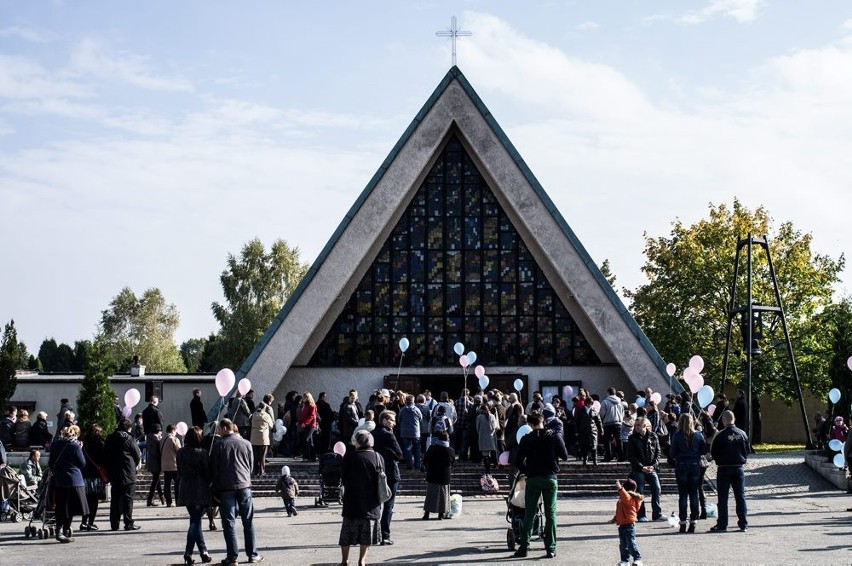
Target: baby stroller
x,y
20,500
43,511
331,484
516,511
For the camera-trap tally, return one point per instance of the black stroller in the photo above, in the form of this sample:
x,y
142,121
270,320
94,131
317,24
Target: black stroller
x,y
516,511
331,482
20,500
43,511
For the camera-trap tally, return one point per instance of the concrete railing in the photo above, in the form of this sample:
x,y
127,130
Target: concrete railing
x,y
819,462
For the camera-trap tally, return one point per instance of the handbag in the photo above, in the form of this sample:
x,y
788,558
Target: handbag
x,y
382,482
94,486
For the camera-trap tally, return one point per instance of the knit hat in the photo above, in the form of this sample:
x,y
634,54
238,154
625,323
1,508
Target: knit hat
x,y
838,420
285,470
548,410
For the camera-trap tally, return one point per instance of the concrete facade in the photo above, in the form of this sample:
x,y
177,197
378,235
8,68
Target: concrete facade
x,y
278,362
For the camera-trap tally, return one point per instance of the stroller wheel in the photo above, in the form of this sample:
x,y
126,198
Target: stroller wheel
x,y
26,532
33,531
27,515
41,533
50,532
16,517
510,539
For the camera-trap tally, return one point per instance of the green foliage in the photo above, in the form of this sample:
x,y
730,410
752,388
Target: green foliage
x,y
9,358
47,355
256,286
81,355
61,358
606,271
96,400
191,352
838,322
143,326
683,308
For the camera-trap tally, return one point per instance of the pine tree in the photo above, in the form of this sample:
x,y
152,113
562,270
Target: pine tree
x,y
9,356
96,400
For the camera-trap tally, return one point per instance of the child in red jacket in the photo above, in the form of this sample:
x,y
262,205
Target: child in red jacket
x,y
625,517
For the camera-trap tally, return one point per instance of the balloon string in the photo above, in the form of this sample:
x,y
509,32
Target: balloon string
x,y
399,369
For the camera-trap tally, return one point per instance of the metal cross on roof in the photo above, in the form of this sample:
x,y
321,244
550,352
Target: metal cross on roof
x,y
453,33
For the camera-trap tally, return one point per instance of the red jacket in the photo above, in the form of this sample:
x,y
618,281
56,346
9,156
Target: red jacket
x,y
627,507
308,417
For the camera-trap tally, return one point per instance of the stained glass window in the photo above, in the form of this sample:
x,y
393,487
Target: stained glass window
x,y
454,269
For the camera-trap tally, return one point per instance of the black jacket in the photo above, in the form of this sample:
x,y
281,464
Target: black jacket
x,y
730,447
360,475
539,453
643,450
151,416
387,446
122,457
196,407
439,464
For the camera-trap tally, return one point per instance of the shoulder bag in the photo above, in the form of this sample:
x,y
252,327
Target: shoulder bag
x,y
384,489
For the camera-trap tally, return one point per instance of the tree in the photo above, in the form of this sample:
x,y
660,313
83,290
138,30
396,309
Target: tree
x,y
255,286
96,400
838,320
683,307
81,355
143,326
9,357
47,355
606,271
192,352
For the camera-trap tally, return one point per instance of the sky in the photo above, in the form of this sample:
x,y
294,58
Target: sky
x,y
141,143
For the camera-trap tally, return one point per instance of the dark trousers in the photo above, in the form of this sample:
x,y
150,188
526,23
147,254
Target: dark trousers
x,y
688,476
727,478
462,444
259,458
387,511
169,478
93,500
627,543
155,486
612,432
121,505
195,534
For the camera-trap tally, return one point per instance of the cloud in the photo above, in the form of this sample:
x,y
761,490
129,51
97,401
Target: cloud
x,y
93,57
28,34
22,78
743,11
588,26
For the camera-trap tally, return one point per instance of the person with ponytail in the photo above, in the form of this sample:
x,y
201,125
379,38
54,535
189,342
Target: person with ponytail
x,y
687,447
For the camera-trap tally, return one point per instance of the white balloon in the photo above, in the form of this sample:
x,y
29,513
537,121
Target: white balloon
x,y
244,386
849,362
225,381
671,369
696,362
131,398
181,428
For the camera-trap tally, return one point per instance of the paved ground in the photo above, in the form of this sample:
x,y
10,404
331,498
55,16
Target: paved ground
x,y
796,517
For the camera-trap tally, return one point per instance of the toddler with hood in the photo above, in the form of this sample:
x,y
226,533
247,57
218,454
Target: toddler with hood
x,y
289,489
625,517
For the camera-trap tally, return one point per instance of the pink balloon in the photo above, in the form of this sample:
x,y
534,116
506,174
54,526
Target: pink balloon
x,y
225,381
656,397
463,361
696,383
711,408
244,386
131,397
504,458
671,369
339,448
127,411
181,428
479,371
689,372
696,362
567,392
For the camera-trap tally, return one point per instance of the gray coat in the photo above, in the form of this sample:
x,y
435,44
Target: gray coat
x,y
486,429
194,471
409,421
231,462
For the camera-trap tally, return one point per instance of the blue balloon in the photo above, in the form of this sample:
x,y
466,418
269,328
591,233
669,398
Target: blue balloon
x,y
705,396
522,432
519,384
834,395
483,382
403,344
839,461
640,401
458,348
835,445
471,357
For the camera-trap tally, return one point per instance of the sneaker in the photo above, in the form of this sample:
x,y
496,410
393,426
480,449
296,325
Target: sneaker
x,y
521,552
717,529
387,542
637,563
643,519
623,563
256,558
661,518
550,554
133,527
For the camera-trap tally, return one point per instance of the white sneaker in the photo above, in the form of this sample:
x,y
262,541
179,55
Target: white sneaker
x,y
637,563
623,563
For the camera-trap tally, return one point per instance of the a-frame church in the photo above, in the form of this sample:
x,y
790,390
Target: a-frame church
x,y
453,240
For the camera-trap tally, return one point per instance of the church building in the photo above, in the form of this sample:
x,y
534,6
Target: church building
x,y
452,241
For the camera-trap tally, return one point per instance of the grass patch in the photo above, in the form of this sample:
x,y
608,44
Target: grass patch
x,y
774,448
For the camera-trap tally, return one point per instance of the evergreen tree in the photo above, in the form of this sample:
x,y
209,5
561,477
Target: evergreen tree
x,y
96,400
9,356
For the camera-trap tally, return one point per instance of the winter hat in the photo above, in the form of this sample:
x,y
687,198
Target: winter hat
x,y
285,470
838,420
548,410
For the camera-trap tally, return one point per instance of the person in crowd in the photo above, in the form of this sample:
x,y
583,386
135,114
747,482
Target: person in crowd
x,y
368,424
627,427
249,399
730,450
7,426
612,414
348,415
472,434
361,507
501,414
538,458
629,502
643,453
721,407
410,419
67,463
486,430
589,429
152,415
169,446
22,429
239,414
388,448
307,427
464,405
325,415
739,408
137,431
449,409
194,470
438,461
536,403
64,407
31,469
154,464
40,433
261,427
688,446
116,408
123,457
708,429
838,432
196,409
288,487
441,422
425,424
819,421
551,421
67,420
231,466
94,474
